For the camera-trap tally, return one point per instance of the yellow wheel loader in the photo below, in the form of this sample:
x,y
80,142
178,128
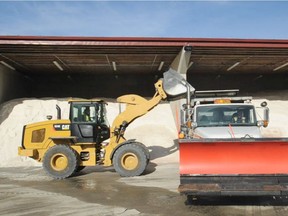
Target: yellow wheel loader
x,y
67,146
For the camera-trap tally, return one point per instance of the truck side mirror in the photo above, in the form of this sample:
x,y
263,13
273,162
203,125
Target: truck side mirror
x,y
266,117
264,104
260,123
265,121
194,124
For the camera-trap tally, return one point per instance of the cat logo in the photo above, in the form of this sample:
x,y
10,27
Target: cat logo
x,y
61,127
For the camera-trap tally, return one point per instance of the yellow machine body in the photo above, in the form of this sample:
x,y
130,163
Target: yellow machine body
x,y
39,137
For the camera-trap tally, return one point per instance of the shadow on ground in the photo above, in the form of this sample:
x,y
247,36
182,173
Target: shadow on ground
x,y
160,151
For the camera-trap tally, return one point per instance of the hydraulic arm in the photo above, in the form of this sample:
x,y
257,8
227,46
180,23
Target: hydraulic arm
x,y
136,106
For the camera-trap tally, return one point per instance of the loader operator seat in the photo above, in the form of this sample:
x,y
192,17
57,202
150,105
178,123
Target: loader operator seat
x,y
86,114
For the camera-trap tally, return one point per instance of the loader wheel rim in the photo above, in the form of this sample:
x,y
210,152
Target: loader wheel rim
x,y
129,161
59,162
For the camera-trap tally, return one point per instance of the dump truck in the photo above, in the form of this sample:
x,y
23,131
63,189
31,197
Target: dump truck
x,y
65,146
224,154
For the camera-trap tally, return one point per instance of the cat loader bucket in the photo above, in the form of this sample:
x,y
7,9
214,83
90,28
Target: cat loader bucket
x,y
175,85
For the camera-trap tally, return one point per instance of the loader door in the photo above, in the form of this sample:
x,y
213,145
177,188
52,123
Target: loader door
x,y
85,122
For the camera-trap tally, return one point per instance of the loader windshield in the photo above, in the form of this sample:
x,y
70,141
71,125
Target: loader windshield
x,y
89,112
225,115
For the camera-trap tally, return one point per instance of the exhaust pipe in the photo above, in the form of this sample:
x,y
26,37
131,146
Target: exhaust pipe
x,y
188,105
58,112
188,99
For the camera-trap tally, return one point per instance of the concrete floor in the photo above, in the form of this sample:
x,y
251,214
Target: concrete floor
x,y
100,191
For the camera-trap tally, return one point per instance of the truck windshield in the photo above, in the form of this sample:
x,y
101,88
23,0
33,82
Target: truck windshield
x,y
224,115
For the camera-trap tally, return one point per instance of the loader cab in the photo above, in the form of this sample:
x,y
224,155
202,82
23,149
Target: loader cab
x,y
88,121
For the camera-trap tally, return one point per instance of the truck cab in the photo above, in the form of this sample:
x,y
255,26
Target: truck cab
x,y
227,116
225,121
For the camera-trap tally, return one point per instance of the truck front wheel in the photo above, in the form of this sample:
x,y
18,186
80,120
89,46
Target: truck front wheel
x,y
130,160
60,161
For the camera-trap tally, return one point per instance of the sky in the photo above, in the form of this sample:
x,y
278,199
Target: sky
x,y
188,19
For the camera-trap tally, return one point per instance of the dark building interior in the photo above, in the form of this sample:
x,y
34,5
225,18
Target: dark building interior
x,y
109,67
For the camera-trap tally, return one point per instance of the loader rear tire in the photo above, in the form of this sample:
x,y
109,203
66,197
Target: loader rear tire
x,y
130,160
60,161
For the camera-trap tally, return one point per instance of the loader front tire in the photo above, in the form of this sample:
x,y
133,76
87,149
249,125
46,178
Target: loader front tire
x,y
60,161
130,160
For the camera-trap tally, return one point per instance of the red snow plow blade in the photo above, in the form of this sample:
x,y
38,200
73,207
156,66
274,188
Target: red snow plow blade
x,y
234,166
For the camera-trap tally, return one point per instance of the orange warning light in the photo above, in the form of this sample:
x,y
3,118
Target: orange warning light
x,y
222,101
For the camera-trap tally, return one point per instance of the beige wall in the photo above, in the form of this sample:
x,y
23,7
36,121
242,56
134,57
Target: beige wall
x,y
11,84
